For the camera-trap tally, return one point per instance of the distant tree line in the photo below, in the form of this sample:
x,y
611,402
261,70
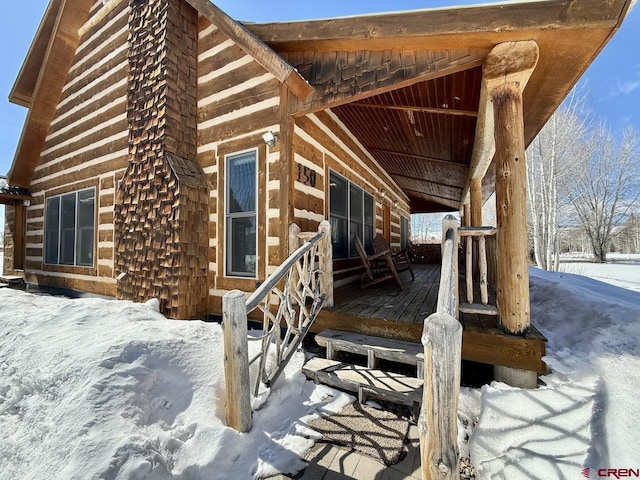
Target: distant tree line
x,y
584,177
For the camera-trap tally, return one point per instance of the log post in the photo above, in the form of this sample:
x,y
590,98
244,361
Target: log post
x,y
236,361
466,214
294,243
450,271
511,177
326,263
476,202
438,421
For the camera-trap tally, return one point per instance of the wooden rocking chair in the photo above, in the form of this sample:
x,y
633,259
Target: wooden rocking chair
x,y
378,267
400,259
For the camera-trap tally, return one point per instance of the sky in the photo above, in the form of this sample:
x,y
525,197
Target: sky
x,y
613,79
145,398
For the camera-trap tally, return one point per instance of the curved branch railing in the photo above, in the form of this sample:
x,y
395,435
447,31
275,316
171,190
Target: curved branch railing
x,y
289,301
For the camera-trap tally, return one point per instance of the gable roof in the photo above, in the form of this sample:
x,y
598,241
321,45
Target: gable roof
x,y
406,84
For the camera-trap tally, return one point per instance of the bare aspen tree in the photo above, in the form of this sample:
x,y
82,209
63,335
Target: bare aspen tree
x,y
551,157
606,187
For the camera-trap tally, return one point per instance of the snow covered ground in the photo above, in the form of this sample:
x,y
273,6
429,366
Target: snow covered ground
x,y
96,388
587,414
620,270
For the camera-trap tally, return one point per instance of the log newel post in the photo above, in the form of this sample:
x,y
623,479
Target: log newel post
x,y
326,263
236,361
438,422
442,341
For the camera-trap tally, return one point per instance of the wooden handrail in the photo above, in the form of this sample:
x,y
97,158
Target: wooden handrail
x,y
442,342
290,299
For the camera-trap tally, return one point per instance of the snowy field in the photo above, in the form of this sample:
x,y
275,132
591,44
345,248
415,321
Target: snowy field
x,y
620,270
104,389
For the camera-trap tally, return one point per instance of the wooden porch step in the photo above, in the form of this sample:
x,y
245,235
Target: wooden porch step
x,y
408,353
12,281
478,308
366,382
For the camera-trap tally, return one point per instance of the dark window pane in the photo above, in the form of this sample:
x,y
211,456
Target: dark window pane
x,y
52,230
355,204
242,240
86,208
67,251
85,247
369,211
241,183
338,195
69,211
355,227
339,237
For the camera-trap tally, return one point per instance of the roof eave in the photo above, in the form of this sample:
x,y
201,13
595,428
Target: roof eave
x,y
24,85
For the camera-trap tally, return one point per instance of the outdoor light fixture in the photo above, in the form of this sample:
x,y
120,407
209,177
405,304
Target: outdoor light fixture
x,y
270,138
395,204
382,193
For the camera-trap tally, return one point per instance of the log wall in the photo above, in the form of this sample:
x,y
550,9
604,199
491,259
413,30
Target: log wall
x,y
238,101
87,145
322,143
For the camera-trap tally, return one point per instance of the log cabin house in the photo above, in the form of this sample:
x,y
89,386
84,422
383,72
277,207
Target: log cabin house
x,y
167,147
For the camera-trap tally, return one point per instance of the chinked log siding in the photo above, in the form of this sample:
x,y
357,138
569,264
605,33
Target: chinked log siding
x,y
238,100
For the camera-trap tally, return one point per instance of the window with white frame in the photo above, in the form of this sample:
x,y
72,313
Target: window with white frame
x,y
70,228
351,211
240,212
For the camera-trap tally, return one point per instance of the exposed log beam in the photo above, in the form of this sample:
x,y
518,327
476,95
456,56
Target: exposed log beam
x,y
432,195
403,175
447,202
252,45
418,157
438,111
507,63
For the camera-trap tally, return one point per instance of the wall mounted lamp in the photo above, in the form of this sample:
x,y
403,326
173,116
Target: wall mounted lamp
x,y
270,138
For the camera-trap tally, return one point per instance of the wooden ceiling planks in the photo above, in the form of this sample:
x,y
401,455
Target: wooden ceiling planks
x,y
413,135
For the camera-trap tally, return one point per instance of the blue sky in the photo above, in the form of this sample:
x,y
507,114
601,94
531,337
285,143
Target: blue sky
x,y
613,79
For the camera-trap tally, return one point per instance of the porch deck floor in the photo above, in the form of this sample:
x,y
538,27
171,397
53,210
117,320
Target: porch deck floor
x,y
385,310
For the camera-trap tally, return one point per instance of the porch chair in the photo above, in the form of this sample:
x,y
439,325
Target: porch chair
x,y
400,259
379,267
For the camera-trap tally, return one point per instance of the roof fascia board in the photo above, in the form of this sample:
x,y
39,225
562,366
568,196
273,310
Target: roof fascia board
x,y
256,48
473,26
21,92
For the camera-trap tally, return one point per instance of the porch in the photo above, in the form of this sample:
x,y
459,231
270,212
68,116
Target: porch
x,y
386,311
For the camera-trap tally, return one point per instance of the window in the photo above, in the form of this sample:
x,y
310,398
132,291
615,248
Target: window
x,y
240,211
404,232
70,228
351,211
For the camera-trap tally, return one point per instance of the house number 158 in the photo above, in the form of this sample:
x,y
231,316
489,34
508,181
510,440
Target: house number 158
x,y
306,175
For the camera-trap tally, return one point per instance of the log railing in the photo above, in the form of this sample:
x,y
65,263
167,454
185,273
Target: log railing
x,y
479,235
289,301
442,341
